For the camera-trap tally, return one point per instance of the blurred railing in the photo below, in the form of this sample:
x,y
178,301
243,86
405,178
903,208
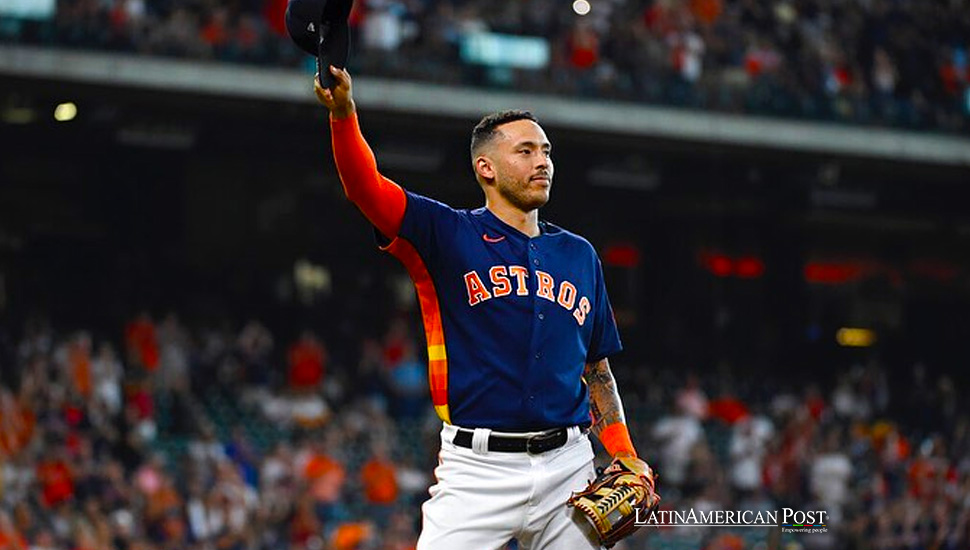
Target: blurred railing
x,y
442,99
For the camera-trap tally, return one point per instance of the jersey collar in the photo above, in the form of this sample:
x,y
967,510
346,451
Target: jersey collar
x,y
545,228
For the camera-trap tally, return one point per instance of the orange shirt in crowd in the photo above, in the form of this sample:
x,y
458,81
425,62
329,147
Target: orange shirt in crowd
x,y
16,428
326,477
320,465
380,481
166,499
12,541
79,362
349,536
706,11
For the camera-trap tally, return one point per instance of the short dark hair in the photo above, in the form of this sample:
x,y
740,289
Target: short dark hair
x,y
487,128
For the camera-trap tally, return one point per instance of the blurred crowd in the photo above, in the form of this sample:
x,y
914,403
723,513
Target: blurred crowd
x,y
883,62
210,440
885,480
160,437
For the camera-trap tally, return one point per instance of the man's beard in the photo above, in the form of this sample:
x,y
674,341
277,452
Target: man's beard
x,y
518,195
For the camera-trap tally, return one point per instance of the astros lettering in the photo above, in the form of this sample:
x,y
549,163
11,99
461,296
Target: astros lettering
x,y
501,278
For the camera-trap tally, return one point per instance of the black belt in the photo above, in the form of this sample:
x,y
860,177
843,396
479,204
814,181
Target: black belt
x,y
536,444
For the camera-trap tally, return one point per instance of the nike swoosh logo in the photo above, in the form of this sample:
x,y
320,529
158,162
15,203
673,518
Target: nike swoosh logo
x,y
488,239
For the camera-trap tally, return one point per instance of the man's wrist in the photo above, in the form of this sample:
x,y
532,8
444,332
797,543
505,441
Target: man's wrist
x,y
345,112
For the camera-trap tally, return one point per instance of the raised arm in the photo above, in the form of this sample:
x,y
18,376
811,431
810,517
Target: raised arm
x,y
381,200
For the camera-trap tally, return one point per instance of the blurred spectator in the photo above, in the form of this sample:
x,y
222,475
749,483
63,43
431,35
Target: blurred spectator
x,y
692,399
325,476
309,411
255,345
148,478
583,46
749,440
206,447
241,451
75,359
56,479
140,412
400,535
728,408
930,473
379,480
687,52
107,373
412,481
305,527
814,403
761,59
676,435
367,381
352,536
831,472
396,341
173,343
408,385
10,537
215,31
382,27
706,12
142,342
307,360
16,424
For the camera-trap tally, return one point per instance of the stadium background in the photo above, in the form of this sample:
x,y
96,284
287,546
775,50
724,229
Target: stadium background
x,y
200,346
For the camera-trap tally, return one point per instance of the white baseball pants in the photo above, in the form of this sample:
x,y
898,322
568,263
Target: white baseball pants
x,y
483,499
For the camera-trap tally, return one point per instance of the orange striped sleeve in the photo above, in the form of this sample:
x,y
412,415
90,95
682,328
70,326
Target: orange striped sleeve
x,y
433,329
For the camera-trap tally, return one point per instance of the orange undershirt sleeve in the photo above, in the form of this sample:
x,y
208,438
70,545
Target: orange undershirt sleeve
x,y
381,200
616,438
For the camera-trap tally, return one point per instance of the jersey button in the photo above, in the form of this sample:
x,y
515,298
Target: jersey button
x,y
542,316
532,246
536,261
538,355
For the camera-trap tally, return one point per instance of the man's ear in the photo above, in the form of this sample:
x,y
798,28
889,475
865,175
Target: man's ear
x,y
484,168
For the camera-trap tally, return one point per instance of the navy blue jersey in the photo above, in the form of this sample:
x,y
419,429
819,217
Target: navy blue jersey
x,y
511,321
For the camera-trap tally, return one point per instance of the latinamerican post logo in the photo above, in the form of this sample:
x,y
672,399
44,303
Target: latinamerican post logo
x,y
788,519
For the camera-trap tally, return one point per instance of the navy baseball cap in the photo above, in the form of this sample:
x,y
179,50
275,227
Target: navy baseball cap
x,y
320,28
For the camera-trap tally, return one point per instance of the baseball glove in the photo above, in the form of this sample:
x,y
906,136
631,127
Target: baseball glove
x,y
611,501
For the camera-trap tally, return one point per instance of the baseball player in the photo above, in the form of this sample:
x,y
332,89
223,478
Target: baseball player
x,y
518,328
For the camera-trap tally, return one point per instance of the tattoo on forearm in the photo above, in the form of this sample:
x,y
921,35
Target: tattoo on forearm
x,y
604,399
